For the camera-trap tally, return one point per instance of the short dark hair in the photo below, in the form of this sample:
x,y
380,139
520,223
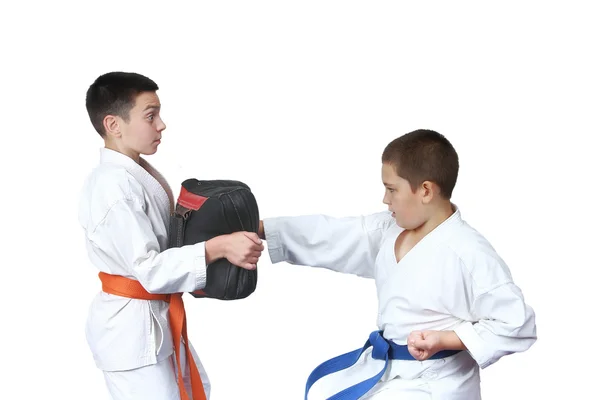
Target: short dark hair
x,y
424,155
114,93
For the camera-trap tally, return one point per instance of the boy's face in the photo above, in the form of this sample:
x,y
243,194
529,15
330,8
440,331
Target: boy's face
x,y
142,133
405,205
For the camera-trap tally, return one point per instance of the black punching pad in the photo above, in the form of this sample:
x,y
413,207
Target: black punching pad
x,y
210,208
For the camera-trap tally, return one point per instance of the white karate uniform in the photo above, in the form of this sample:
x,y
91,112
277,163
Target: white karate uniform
x,y
451,280
124,211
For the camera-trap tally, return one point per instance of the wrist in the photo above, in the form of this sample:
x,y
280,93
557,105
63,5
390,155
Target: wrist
x,y
215,248
451,341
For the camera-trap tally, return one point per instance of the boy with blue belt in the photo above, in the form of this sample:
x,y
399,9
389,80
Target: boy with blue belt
x,y
448,305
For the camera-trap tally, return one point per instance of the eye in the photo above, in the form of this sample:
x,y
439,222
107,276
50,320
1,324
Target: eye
x,y
150,117
390,190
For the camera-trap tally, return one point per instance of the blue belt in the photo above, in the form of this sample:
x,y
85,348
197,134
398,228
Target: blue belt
x,y
383,349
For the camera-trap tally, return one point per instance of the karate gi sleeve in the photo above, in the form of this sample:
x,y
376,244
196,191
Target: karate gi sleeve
x,y
501,323
125,237
348,245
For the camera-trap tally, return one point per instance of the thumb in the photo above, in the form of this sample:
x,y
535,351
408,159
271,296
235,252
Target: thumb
x,y
417,339
253,236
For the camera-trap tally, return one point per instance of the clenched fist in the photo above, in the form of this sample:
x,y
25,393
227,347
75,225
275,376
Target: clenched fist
x,y
423,344
243,249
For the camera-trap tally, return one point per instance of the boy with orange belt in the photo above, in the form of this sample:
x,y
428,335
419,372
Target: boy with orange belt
x,y
136,326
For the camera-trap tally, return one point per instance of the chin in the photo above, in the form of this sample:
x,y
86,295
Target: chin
x,y
404,225
149,152
399,223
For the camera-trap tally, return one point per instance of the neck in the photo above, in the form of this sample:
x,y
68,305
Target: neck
x,y
128,152
438,216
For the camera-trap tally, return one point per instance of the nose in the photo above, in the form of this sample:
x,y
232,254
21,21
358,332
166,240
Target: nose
x,y
160,125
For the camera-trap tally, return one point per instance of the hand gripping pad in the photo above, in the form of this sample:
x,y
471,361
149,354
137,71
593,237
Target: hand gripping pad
x,y
210,208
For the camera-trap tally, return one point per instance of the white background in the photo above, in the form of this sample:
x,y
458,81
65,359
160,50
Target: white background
x,y
298,99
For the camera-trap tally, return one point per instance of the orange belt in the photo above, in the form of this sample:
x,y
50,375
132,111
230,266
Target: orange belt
x,y
125,287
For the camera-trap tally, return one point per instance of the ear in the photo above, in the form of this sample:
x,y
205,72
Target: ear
x,y
112,126
427,192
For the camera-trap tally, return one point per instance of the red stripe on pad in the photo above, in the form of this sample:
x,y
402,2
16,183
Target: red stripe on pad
x,y
190,200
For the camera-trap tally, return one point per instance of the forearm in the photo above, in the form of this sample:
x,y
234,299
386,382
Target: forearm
x,y
175,270
125,241
347,245
499,330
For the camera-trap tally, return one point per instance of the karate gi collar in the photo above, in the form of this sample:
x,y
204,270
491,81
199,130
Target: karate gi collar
x,y
446,228
138,171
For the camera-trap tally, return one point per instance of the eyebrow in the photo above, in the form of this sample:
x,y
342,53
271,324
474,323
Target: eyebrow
x,y
388,184
151,107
